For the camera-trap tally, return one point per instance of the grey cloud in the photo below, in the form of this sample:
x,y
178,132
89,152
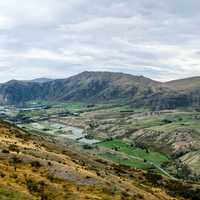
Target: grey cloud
x,y
159,39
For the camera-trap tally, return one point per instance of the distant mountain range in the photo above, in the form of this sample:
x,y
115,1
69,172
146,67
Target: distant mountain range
x,y
105,87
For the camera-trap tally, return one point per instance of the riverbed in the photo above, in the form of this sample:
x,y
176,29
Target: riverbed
x,y
60,130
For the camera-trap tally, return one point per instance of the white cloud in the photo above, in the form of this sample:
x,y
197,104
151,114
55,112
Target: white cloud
x,y
5,22
159,39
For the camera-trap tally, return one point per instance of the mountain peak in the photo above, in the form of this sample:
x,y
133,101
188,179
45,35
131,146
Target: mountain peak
x,y
41,80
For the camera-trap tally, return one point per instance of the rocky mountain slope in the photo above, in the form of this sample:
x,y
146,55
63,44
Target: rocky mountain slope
x,y
104,87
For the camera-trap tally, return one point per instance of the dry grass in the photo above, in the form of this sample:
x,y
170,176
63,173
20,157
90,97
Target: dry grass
x,y
34,168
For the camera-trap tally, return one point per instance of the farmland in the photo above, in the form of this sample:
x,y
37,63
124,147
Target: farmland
x,y
158,143
122,134
131,150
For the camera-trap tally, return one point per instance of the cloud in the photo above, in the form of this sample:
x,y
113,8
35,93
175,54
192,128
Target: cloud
x,y
158,39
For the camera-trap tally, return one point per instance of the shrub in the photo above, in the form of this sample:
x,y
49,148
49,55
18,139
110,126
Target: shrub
x,y
32,186
2,175
36,164
5,151
167,121
86,146
13,147
153,177
16,160
35,187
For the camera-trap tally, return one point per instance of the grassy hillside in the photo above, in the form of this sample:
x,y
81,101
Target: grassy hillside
x,y
36,167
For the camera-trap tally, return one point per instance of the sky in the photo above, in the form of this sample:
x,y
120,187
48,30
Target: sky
x,y
159,39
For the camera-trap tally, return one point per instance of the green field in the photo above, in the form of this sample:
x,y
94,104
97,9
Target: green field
x,y
6,194
127,149
73,106
122,161
68,105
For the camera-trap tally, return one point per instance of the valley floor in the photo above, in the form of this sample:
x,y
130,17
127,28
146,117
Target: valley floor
x,y
72,151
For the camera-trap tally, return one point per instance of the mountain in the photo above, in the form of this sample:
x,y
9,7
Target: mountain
x,y
17,92
87,86
103,87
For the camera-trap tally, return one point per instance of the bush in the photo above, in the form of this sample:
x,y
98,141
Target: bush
x,y
2,175
32,186
36,164
153,177
16,160
13,147
86,146
35,187
5,151
167,121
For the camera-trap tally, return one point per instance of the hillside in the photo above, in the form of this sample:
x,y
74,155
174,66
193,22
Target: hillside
x,y
104,87
186,84
87,86
37,167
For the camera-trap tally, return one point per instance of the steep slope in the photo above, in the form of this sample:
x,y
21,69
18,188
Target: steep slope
x,y
189,86
87,86
103,86
17,92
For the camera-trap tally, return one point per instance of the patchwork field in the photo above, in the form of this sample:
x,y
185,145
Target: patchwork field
x,y
128,149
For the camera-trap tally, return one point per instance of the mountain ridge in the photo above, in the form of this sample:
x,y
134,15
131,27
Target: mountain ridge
x,y
105,87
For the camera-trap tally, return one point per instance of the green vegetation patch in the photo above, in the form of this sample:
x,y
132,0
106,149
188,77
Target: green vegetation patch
x,y
131,150
74,106
56,104
177,121
6,194
125,161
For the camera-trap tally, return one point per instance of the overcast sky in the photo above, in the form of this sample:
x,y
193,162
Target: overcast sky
x,y
159,39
